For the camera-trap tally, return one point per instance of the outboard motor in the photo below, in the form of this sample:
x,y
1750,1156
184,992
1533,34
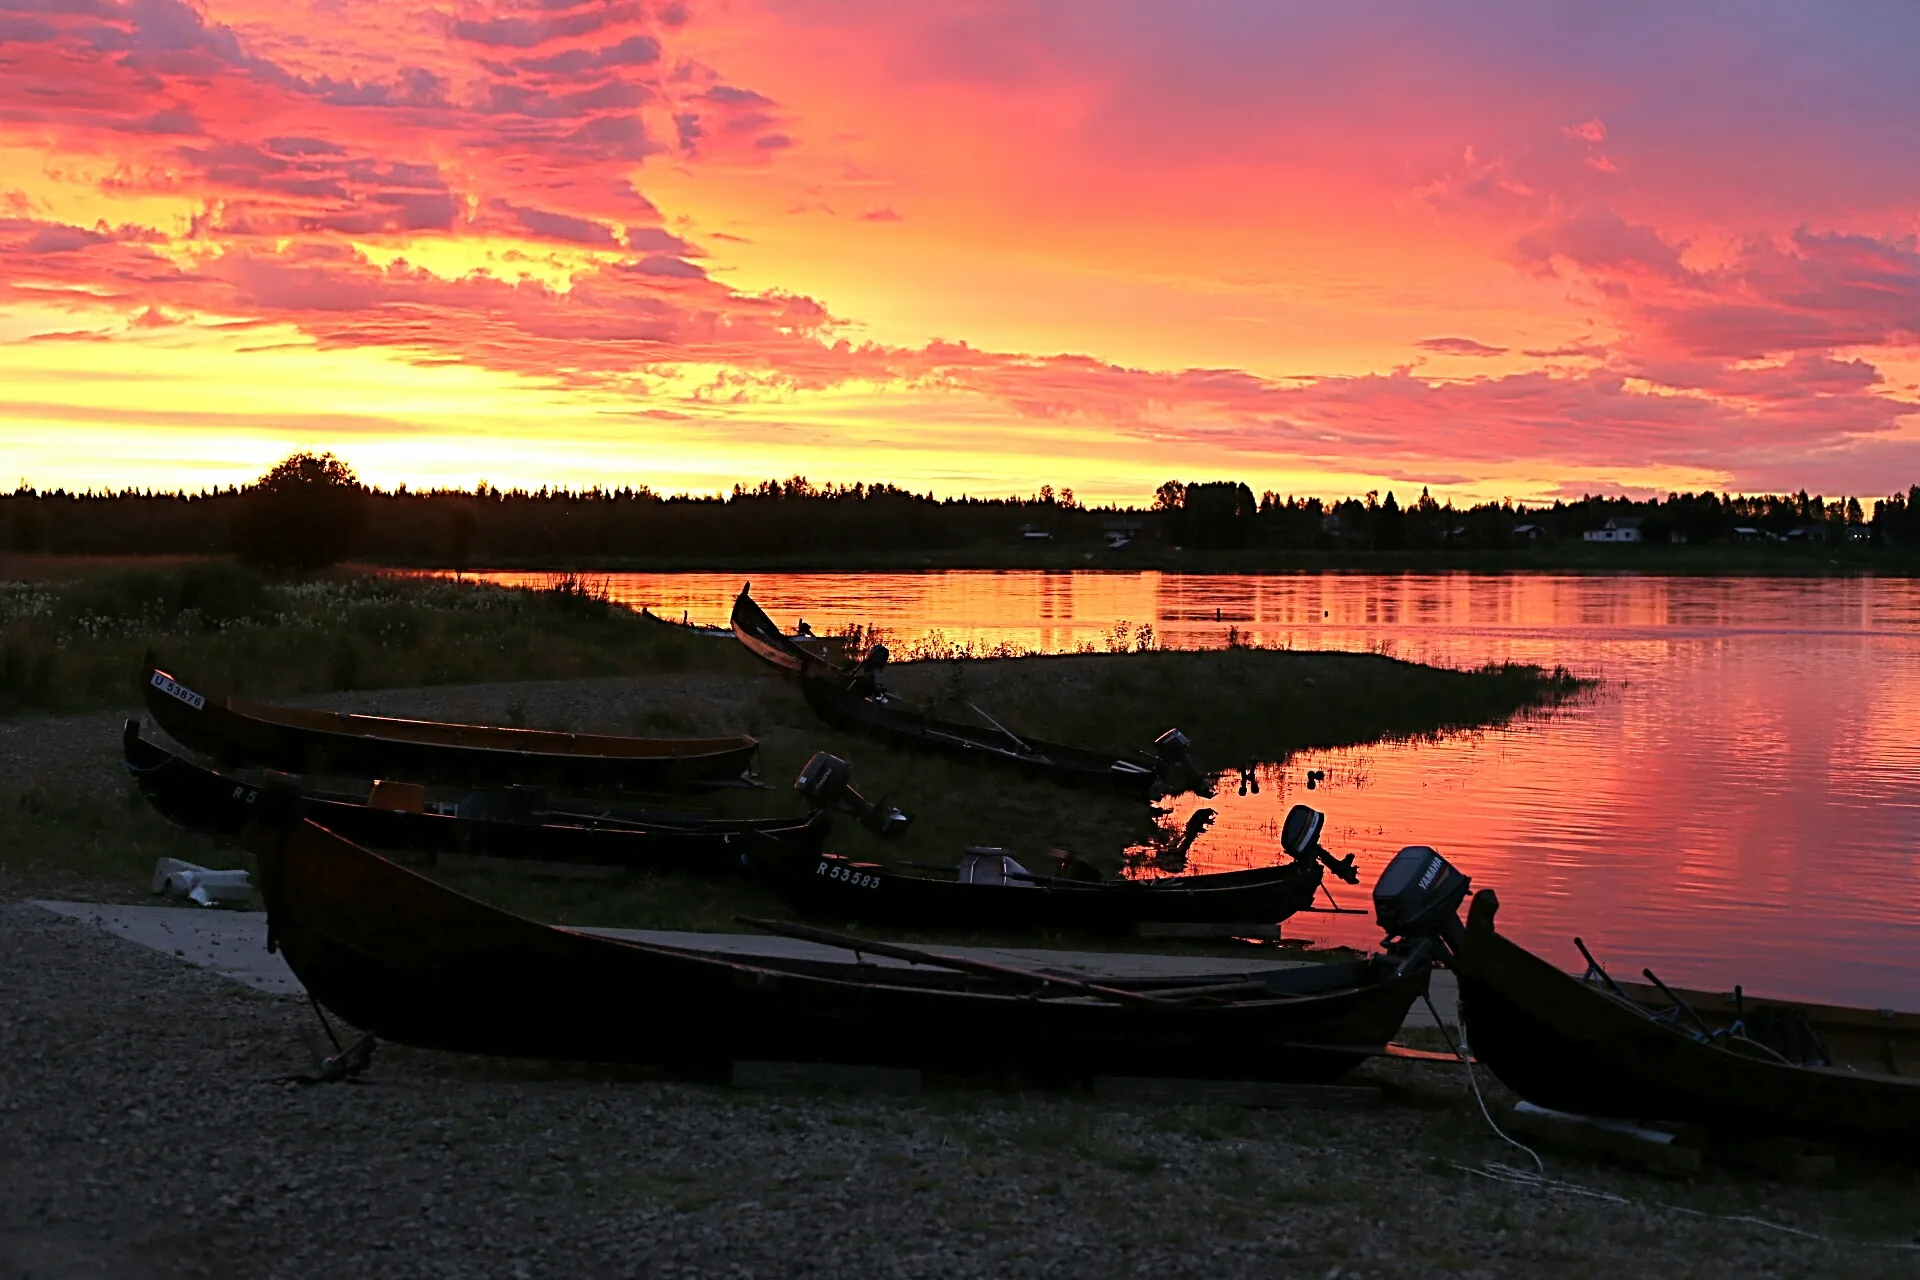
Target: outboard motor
x,y
827,783
1300,837
1418,897
1174,753
865,679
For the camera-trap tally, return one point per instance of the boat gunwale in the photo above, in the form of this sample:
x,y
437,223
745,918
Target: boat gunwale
x,y
440,735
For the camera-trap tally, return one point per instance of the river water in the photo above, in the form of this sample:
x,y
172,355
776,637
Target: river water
x,y
1739,803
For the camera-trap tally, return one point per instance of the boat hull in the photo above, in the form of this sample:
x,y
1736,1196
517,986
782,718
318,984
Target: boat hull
x,y
765,641
413,962
829,885
298,740
898,727
1561,1043
206,800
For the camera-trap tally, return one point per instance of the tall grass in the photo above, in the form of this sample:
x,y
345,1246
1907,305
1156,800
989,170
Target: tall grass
x,y
79,645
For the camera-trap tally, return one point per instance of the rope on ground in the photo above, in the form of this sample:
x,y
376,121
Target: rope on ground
x,y
1466,1060
1496,1172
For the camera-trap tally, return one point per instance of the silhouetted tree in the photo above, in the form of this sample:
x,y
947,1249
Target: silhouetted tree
x,y
1390,526
1219,514
303,515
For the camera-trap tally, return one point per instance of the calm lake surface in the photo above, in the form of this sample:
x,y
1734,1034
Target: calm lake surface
x,y
1740,803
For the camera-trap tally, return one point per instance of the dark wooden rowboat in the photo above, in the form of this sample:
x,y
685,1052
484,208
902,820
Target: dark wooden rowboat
x,y
221,804
834,886
851,700
297,740
1730,1062
901,724
682,626
411,961
797,655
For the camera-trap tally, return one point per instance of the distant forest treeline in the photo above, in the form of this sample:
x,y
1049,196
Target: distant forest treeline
x,y
499,527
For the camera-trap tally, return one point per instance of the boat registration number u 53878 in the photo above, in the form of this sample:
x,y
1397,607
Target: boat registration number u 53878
x,y
174,689
840,871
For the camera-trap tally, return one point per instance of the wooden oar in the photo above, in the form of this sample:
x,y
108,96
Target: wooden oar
x,y
914,955
1018,741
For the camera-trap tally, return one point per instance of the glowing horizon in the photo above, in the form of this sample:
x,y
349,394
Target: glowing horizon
x,y
962,247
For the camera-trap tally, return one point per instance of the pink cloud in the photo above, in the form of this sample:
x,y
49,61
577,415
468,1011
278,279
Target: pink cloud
x,y
1459,347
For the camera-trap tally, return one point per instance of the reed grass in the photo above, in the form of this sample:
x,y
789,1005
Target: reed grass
x,y
77,645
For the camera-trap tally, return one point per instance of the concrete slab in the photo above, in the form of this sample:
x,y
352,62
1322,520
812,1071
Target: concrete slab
x,y
231,943
234,945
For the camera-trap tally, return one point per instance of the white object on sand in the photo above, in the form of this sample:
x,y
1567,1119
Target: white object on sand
x,y
199,884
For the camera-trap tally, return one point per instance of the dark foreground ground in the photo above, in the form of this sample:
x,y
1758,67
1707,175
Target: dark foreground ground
x,y
146,1132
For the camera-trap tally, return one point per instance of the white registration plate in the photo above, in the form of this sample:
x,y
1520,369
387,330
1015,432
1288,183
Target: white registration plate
x,y
174,689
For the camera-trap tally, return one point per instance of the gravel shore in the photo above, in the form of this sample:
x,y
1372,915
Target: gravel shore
x,y
146,1130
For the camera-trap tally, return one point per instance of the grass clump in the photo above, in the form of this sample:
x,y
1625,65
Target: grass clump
x,y
1236,704
76,646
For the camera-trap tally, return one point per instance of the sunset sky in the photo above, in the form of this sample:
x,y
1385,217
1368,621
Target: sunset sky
x,y
1501,249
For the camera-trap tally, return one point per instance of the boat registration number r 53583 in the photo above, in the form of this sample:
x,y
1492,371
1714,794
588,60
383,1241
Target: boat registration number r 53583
x,y
174,689
840,871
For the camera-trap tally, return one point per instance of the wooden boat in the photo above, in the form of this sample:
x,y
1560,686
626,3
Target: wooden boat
x,y
798,655
1730,1062
901,724
990,892
682,626
851,699
837,887
236,731
519,823
411,961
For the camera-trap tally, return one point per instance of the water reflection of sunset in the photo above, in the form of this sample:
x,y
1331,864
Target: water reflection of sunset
x,y
1739,803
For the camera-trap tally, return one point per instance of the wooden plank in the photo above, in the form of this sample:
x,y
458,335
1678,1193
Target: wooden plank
x,y
751,1073
1187,929
1654,1149
1174,1091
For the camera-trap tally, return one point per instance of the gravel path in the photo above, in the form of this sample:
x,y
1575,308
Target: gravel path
x,y
144,1132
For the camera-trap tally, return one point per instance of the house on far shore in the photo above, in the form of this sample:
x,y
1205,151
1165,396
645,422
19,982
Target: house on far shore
x,y
1859,533
1618,529
1118,533
1529,532
1808,533
1030,534
1746,533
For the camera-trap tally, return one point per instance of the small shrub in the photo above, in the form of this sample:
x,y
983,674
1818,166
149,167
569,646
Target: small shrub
x,y
578,595
220,594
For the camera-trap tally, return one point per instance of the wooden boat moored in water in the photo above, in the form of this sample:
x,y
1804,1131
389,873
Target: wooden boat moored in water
x,y
236,731
411,961
520,823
